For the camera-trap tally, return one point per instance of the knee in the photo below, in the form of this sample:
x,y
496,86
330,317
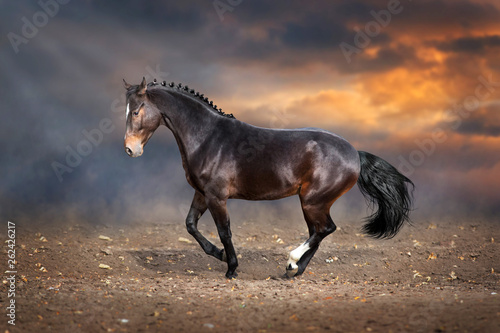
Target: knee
x,y
190,226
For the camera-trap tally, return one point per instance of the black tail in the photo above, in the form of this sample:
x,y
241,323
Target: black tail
x,y
381,183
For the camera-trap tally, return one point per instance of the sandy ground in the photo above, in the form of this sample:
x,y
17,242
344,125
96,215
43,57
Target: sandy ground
x,y
433,277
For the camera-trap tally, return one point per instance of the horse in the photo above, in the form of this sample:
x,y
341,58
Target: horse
x,y
225,158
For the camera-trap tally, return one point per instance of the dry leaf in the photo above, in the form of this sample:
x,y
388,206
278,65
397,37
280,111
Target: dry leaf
x,y
184,240
106,238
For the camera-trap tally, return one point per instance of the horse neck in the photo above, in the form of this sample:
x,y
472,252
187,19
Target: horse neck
x,y
190,122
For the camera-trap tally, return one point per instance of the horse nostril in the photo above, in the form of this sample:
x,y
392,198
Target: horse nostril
x,y
129,151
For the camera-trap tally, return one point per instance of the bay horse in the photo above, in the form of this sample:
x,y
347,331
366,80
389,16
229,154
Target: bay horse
x,y
219,163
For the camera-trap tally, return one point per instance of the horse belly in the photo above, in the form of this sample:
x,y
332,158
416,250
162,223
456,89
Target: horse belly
x,y
265,183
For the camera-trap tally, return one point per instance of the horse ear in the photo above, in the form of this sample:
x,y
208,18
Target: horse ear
x,y
142,87
127,86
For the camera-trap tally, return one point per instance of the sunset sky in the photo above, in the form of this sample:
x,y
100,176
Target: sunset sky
x,y
415,82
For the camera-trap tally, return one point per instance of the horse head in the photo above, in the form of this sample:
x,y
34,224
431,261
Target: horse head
x,y
142,118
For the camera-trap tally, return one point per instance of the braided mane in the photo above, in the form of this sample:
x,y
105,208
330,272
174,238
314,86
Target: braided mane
x,y
196,94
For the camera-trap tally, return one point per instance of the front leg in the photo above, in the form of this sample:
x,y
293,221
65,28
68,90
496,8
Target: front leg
x,y
198,207
217,208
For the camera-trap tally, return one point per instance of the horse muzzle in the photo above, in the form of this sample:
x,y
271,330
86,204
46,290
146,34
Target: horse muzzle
x,y
133,148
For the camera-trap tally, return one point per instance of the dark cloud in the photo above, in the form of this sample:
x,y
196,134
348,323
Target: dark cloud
x,y
385,59
437,16
470,44
485,121
155,15
478,126
311,33
356,10
318,33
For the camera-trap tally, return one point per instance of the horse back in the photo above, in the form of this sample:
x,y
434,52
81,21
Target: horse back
x,y
266,164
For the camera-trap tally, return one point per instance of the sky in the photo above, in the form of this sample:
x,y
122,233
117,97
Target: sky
x,y
414,82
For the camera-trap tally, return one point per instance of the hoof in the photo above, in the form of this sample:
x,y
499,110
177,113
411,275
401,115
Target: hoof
x,y
291,272
231,276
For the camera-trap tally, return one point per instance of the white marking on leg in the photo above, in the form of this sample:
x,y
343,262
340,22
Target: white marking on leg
x,y
128,110
296,254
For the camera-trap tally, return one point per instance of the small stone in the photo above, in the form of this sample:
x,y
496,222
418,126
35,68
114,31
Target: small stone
x,y
107,252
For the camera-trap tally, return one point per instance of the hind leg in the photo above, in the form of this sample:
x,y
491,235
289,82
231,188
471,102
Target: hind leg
x,y
316,198
320,225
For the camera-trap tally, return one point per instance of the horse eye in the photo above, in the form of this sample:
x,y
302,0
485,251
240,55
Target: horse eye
x,y
136,113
